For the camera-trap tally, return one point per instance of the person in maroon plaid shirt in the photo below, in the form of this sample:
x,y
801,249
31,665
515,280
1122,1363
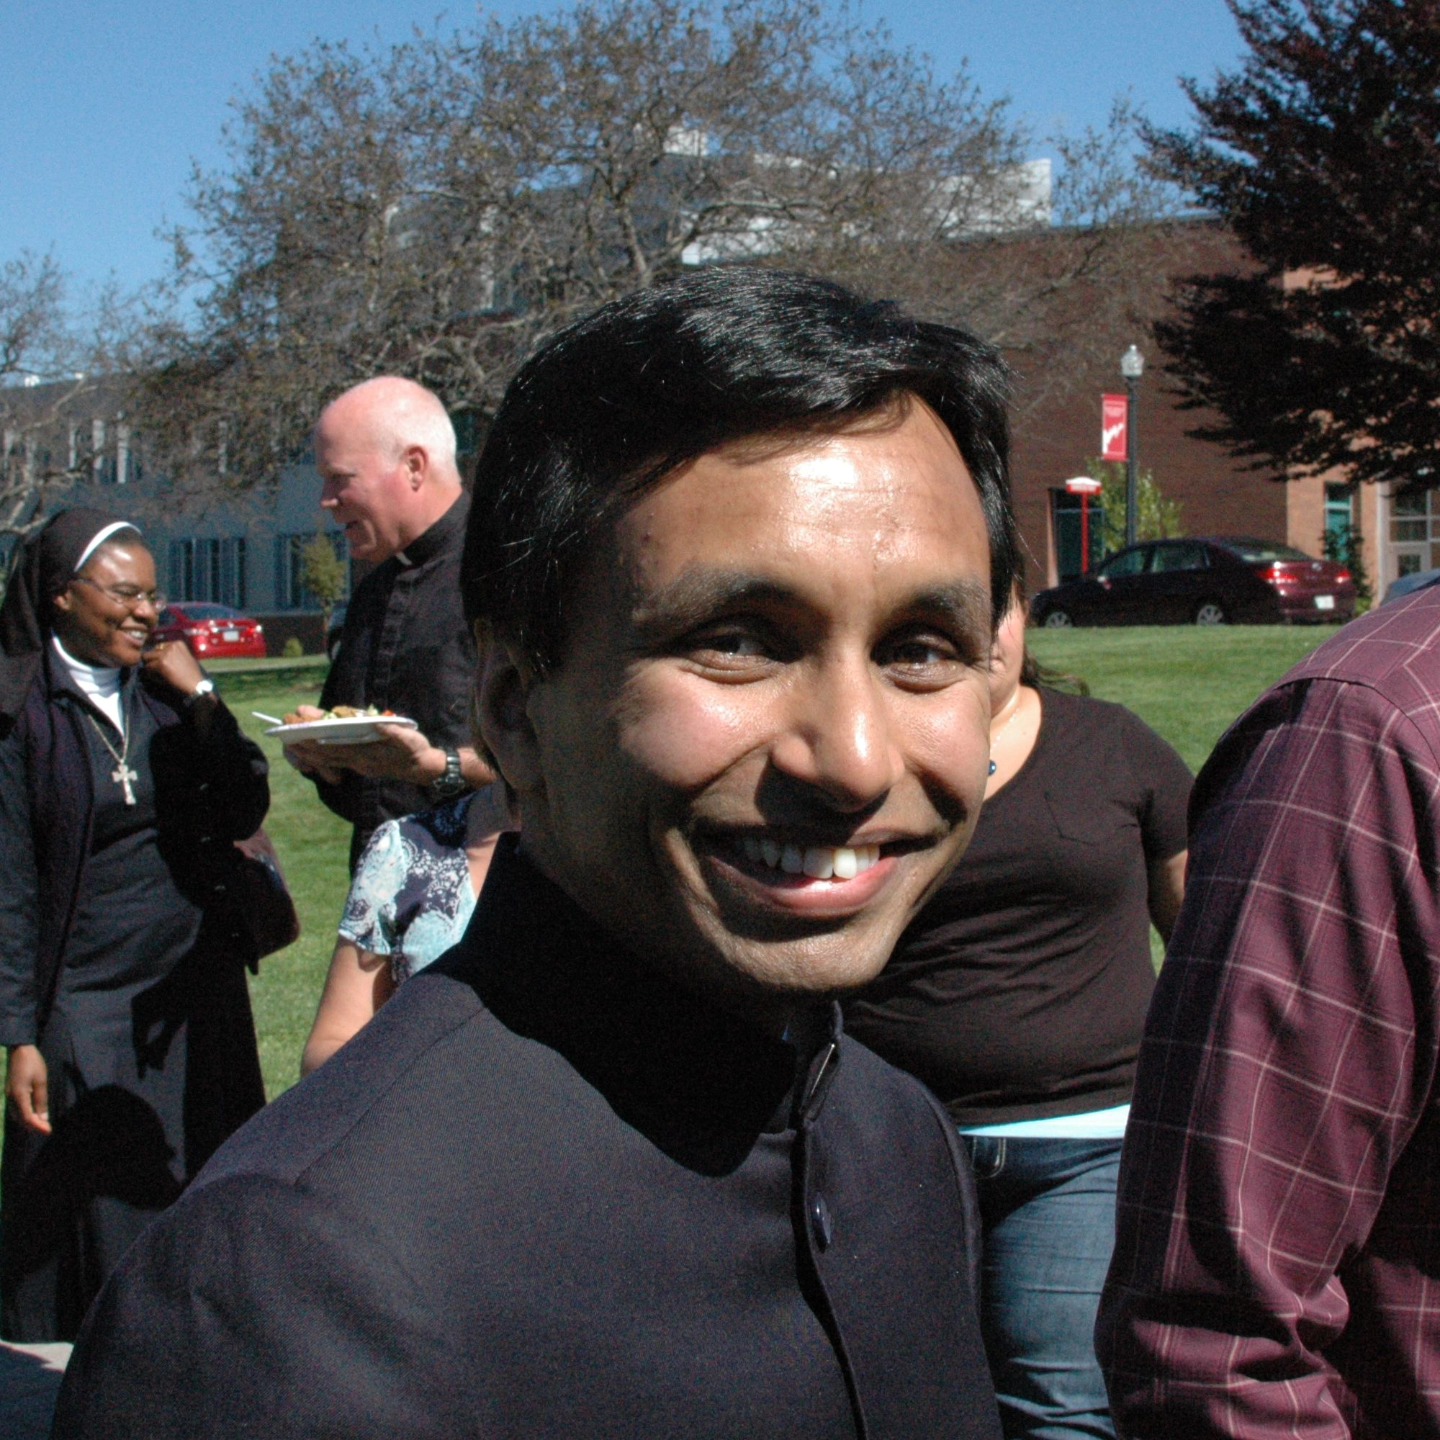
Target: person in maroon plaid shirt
x,y
1277,1265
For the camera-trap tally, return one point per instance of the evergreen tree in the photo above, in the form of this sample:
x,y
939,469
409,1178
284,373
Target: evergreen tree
x,y
1322,152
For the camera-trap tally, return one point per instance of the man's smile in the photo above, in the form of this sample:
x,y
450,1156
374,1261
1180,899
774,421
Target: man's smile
x,y
819,862
787,875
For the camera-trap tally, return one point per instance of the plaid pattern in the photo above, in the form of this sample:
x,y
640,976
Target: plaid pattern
x,y
1277,1266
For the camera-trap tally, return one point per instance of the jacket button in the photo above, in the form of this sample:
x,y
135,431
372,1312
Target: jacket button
x,y
821,1225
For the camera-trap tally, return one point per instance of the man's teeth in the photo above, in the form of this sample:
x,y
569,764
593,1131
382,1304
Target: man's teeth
x,y
819,862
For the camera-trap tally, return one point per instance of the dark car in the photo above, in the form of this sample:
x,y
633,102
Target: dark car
x,y
213,632
1409,584
1203,581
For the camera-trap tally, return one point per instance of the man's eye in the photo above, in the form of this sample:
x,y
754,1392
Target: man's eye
x,y
926,653
733,644
920,652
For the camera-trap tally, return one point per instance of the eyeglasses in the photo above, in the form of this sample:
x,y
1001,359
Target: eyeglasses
x,y
126,595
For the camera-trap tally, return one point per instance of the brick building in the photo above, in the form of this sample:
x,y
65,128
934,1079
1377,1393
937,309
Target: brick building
x,y
1218,494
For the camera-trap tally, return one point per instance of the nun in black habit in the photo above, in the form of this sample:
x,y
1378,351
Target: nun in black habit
x,y
124,1007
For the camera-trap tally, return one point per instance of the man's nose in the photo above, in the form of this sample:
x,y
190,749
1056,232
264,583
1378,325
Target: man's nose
x,y
840,737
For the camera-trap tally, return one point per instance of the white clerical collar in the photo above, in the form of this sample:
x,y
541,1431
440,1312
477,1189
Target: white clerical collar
x,y
100,685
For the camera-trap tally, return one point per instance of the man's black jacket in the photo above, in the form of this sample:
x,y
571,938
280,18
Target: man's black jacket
x,y
548,1194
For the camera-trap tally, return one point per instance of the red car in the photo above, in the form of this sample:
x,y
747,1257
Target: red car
x,y
213,632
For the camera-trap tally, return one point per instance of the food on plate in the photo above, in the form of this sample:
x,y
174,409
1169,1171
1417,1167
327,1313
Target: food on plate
x,y
340,712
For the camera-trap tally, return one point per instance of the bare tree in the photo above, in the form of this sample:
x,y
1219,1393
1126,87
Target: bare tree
x,y
436,208
50,434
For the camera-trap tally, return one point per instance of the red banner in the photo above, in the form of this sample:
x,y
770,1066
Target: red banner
x,y
1114,428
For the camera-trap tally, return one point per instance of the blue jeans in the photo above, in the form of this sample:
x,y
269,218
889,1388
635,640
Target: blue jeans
x,y
1047,1208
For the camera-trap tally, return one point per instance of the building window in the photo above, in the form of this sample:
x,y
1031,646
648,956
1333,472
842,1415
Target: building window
x,y
291,591
1415,523
1339,511
1410,517
129,468
208,569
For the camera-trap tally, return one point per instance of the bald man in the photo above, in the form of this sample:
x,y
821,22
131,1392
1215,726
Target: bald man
x,y
385,451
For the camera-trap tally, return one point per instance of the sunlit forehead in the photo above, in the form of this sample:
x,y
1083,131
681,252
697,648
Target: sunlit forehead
x,y
863,527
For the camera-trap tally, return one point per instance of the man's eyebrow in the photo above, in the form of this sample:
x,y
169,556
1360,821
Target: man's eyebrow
x,y
701,594
966,604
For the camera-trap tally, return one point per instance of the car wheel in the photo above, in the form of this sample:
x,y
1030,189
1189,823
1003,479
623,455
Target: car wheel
x,y
1057,619
1210,612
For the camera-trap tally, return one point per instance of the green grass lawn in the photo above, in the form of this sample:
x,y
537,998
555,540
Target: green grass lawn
x,y
313,845
1189,684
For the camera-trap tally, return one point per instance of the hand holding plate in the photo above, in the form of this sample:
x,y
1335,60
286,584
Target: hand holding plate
x,y
398,752
308,756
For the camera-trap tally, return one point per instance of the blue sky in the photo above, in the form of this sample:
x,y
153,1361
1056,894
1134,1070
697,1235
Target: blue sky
x,y
106,103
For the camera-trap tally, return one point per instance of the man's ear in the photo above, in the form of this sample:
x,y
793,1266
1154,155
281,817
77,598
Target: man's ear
x,y
502,692
416,463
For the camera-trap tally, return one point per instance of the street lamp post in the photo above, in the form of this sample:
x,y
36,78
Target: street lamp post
x,y
1132,367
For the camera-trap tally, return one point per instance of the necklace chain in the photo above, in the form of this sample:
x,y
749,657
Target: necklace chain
x,y
122,774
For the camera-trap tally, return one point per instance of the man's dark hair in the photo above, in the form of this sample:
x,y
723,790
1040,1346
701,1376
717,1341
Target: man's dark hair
x,y
617,401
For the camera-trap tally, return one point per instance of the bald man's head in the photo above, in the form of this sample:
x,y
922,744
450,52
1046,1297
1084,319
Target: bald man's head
x,y
385,450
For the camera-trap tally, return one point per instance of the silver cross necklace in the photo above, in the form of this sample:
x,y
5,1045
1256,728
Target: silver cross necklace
x,y
122,774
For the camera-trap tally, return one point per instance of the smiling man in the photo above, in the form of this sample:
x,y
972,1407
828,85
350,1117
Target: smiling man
x,y
610,1168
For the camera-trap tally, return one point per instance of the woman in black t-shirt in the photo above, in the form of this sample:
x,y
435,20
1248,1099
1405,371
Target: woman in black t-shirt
x,y
1019,996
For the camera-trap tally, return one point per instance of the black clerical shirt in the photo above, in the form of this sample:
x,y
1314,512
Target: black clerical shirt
x,y
548,1193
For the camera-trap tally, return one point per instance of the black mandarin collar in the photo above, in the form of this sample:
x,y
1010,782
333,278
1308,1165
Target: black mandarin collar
x,y
700,1083
427,546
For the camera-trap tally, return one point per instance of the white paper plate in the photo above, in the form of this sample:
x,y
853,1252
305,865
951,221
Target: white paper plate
x,y
348,730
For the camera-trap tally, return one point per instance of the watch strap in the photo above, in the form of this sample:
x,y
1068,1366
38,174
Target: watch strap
x,y
452,781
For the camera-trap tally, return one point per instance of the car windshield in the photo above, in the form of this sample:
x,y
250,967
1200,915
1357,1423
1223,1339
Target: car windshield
x,y
211,612
1127,562
1262,552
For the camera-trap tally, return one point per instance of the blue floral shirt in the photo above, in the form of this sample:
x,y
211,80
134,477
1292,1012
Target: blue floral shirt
x,y
412,897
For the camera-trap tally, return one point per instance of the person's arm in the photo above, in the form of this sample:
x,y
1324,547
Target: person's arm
x,y
1165,782
1166,891
19,936
358,984
402,753
227,787
360,980
1278,1084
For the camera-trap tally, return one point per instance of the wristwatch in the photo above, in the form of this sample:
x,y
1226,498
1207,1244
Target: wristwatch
x,y
205,687
452,782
